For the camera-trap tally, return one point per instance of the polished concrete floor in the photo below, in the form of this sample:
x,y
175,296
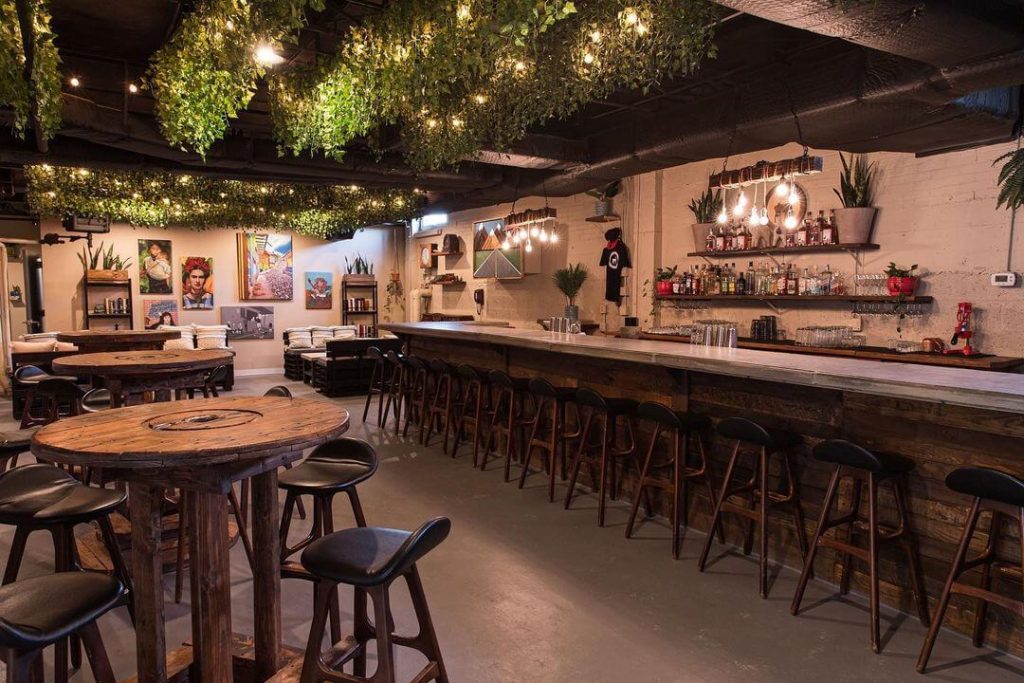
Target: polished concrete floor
x,y
526,592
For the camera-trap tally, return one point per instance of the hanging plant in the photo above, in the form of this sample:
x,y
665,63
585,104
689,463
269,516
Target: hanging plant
x,y
43,89
158,199
1011,180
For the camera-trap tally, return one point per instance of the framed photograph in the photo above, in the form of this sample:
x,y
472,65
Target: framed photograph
x,y
155,267
159,312
248,322
196,283
490,260
319,290
265,267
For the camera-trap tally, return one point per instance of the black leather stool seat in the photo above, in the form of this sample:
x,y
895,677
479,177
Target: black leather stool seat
x,y
96,400
16,442
673,419
841,452
503,379
372,556
37,612
542,387
30,374
982,482
280,391
614,406
744,430
335,465
47,495
442,367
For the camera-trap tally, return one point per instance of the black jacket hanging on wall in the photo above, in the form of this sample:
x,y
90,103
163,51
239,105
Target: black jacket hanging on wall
x,y
614,258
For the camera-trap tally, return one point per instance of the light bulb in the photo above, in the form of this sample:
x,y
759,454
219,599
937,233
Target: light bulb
x,y
595,36
738,210
74,82
793,198
790,221
723,216
543,236
588,58
529,246
463,14
641,28
132,88
554,238
630,16
534,231
480,99
506,245
764,217
267,56
517,238
782,189
742,201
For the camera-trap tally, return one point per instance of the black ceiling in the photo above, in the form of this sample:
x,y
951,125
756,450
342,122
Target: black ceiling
x,y
880,75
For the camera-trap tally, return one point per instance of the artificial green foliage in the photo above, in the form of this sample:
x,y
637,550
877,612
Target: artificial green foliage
x,y
156,199
1011,180
856,182
359,266
569,280
206,73
706,207
459,75
45,85
102,260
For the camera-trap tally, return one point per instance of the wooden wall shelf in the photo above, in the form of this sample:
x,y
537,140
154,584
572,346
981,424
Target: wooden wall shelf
x,y
610,218
741,298
769,251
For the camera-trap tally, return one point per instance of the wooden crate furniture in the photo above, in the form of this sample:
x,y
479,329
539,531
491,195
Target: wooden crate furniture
x,y
345,370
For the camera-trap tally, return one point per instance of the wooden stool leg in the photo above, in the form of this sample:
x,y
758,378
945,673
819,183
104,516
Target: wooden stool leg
x,y
909,542
580,455
16,555
96,653
678,493
716,516
357,508
385,646
602,488
981,612
311,661
23,667
286,521
427,635
873,559
243,532
823,526
845,566
117,561
327,517
361,630
642,482
762,521
509,431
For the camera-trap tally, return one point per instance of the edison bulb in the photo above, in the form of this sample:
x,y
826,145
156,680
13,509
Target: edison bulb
x,y
534,231
517,238
764,217
793,198
529,247
506,245
782,190
543,236
738,210
790,222
742,201
723,217
554,238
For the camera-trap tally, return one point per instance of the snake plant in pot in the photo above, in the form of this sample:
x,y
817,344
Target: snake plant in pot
x,y
856,190
604,196
705,210
570,281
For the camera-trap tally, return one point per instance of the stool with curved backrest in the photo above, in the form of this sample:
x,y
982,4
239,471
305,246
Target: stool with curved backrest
x,y
279,390
445,401
332,468
53,391
1002,496
379,382
509,418
46,610
870,469
599,417
475,407
674,475
395,386
210,382
750,437
415,393
96,400
548,431
12,445
370,560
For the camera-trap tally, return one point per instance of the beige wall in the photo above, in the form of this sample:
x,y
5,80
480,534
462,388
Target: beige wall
x,y
62,276
938,212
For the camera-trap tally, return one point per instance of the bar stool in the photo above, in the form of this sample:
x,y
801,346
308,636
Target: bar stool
x,y
678,426
11,448
751,437
47,610
475,407
210,381
508,418
370,560
1002,496
334,467
379,382
96,400
415,393
395,395
445,402
52,391
601,419
863,467
548,430
282,392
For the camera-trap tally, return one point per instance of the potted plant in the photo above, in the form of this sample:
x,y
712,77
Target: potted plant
x,y
856,191
663,278
902,281
604,196
103,266
358,270
705,210
569,282
1011,180
394,294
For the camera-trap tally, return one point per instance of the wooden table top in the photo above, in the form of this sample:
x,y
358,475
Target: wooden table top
x,y
117,336
184,434
136,362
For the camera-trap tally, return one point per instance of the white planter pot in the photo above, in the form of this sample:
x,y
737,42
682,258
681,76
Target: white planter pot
x,y
700,235
855,225
602,208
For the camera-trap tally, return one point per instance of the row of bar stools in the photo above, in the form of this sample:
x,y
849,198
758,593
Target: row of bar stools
x,y
752,438
475,408
509,418
549,431
864,468
679,426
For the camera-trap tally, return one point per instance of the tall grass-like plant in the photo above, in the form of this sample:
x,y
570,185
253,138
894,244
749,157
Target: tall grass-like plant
x,y
856,182
570,280
1011,180
707,206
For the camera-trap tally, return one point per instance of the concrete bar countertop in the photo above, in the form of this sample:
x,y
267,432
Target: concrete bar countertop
x,y
955,386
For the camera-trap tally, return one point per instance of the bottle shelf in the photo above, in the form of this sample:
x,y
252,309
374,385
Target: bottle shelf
x,y
771,251
829,298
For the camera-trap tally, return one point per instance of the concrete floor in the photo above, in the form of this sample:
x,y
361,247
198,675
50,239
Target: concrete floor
x,y
525,592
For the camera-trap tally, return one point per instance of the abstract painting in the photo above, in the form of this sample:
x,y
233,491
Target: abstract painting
x,y
319,290
196,283
265,267
248,322
489,258
155,267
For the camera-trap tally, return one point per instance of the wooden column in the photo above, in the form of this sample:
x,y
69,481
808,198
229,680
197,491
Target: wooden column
x,y
266,575
147,582
211,587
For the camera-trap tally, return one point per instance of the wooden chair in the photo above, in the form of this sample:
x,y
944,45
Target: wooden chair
x,y
509,419
52,391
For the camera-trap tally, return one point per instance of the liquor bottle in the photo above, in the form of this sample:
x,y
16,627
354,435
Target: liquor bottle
x,y
751,279
709,241
828,229
743,237
781,279
803,286
720,239
803,231
826,280
741,283
791,283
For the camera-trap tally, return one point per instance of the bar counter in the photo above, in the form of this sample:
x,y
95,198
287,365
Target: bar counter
x,y
940,418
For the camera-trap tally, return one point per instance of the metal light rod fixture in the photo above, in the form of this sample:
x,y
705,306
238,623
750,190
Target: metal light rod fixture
x,y
766,172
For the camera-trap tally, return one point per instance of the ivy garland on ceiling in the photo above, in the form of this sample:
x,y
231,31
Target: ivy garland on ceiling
x,y
159,199
464,74
43,89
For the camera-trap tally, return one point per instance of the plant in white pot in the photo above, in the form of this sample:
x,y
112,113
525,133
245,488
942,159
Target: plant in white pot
x,y
569,281
705,210
604,196
856,190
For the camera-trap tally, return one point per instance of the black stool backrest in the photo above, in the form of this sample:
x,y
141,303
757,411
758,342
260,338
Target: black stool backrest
x,y
60,388
375,353
414,362
29,373
741,429
422,541
218,374
590,398
660,413
96,400
346,449
982,482
395,358
468,372
283,392
542,387
500,379
441,367
842,452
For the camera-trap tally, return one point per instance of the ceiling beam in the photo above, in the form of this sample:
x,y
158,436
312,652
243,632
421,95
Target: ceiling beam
x,y
538,151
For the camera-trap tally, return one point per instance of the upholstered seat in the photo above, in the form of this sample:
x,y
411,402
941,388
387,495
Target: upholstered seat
x,y
43,494
502,379
282,391
37,612
613,406
333,466
673,419
981,482
96,400
15,442
744,430
847,454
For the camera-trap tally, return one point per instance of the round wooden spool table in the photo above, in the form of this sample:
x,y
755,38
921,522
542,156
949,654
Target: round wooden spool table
x,y
92,341
128,373
201,446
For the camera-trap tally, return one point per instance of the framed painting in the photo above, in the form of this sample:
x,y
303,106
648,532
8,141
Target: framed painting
x,y
490,260
196,283
248,322
155,267
319,290
160,312
264,267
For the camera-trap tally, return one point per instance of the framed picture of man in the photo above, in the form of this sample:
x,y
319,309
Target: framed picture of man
x,y
155,269
196,283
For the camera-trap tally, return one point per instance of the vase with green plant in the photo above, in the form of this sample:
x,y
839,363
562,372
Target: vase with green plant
x,y
103,265
856,218
394,295
705,208
663,279
902,281
569,282
604,196
359,268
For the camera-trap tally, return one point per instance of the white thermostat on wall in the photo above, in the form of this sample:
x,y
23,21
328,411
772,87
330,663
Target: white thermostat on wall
x,y
1004,279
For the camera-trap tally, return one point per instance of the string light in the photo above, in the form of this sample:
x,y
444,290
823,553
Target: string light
x,y
74,82
554,237
529,246
506,245
480,99
595,36
630,16
132,88
588,58
790,221
267,56
782,189
723,217
463,13
641,28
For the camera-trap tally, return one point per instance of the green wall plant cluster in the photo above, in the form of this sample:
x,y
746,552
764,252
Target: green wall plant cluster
x,y
43,89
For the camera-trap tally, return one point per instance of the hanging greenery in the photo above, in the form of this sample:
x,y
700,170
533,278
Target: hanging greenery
x,y
158,199
45,83
461,74
1011,180
207,72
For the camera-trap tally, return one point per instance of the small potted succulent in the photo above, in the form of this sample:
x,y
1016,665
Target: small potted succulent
x,y
604,196
663,278
856,191
569,282
705,210
104,266
902,281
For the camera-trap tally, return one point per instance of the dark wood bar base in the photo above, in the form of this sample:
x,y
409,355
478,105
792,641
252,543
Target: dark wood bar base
x,y
937,437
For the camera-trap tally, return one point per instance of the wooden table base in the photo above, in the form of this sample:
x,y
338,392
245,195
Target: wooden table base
x,y
243,657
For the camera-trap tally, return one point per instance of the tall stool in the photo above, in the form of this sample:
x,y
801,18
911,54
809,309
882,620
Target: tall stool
x,y
548,431
395,395
444,402
863,467
379,382
334,467
672,476
509,417
752,438
475,407
1002,496
370,560
53,392
96,400
415,393
47,610
599,417
12,445
210,382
